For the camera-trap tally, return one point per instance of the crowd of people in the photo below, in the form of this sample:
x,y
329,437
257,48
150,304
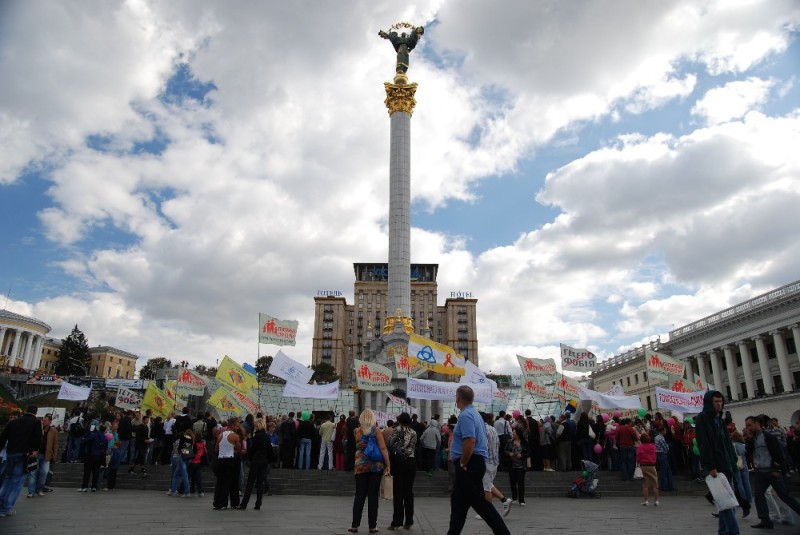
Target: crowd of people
x,y
473,447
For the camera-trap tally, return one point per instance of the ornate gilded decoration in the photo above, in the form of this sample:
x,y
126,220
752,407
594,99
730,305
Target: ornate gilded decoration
x,y
400,97
391,321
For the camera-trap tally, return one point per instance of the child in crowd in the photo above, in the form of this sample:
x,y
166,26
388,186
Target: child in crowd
x,y
646,457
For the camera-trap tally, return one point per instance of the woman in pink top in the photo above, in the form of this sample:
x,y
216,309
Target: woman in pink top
x,y
646,457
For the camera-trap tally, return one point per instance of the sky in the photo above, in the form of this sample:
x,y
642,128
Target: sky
x,y
595,173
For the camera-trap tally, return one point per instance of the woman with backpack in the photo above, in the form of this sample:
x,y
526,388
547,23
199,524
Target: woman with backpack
x,y
368,470
402,444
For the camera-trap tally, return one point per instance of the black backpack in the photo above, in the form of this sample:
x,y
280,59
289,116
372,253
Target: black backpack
x,y
76,429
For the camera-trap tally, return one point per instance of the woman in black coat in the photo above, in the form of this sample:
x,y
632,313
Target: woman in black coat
x,y
261,456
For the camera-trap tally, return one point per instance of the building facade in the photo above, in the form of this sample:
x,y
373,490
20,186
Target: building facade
x,y
342,331
749,352
21,340
111,363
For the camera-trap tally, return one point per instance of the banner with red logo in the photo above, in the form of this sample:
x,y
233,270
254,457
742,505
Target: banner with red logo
x,y
274,331
190,384
683,402
660,366
540,371
372,376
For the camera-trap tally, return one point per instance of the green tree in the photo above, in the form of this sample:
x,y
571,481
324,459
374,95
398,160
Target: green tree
x,y
324,373
262,366
74,357
148,371
208,371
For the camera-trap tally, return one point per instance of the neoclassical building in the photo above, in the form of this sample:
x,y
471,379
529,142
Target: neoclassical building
x,y
21,340
749,352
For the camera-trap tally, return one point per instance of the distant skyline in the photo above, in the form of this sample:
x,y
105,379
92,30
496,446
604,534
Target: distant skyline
x,y
596,174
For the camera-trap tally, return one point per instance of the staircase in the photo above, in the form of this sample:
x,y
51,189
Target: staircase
x,y
336,483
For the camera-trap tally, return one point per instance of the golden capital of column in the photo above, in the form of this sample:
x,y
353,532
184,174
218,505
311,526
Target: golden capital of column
x,y
391,321
400,97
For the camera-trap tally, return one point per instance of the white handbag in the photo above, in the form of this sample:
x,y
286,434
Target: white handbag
x,y
721,490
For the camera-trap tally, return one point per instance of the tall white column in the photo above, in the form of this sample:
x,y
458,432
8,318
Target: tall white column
x,y
28,354
796,335
15,351
730,363
763,363
783,359
2,340
716,370
36,359
747,368
701,368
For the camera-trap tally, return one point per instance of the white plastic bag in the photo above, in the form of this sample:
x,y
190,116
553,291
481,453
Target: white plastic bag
x,y
721,490
387,488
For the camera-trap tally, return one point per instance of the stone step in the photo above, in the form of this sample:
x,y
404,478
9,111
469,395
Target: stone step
x,y
334,483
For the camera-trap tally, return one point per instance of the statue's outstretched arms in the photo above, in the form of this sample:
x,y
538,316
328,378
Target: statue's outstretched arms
x,y
383,34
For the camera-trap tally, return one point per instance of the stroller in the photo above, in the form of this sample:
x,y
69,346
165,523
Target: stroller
x,y
586,482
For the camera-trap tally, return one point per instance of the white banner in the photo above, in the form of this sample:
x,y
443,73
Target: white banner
x,y
604,401
127,399
444,391
616,390
289,369
404,407
473,375
274,331
74,393
574,359
683,402
296,390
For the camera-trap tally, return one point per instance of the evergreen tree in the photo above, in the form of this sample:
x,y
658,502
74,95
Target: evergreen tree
x,y
262,366
148,371
324,373
74,357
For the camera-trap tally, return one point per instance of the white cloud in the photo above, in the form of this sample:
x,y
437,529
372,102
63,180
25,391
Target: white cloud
x,y
275,185
733,100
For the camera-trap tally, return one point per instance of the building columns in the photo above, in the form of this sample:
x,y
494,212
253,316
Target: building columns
x,y
2,340
28,354
783,359
36,357
763,363
796,335
730,362
15,350
747,368
716,369
701,368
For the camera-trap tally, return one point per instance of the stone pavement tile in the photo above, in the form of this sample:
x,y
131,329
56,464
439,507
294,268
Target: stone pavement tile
x,y
66,512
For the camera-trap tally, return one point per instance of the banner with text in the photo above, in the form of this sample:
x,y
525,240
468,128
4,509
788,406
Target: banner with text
x,y
444,391
127,399
233,375
434,357
245,402
405,369
274,331
684,402
540,371
575,359
605,401
289,369
71,392
660,366
372,376
190,384
567,387
296,390
540,392
403,404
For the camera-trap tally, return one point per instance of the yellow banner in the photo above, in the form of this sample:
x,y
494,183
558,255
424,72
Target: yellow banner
x,y
233,375
435,357
157,400
221,399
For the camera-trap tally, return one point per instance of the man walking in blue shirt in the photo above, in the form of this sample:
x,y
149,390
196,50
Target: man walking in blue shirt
x,y
469,451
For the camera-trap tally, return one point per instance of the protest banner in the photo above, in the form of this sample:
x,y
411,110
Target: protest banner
x,y
289,369
372,376
71,392
683,402
405,369
127,399
190,384
660,366
157,400
444,390
296,390
540,371
577,359
434,357
274,331
604,401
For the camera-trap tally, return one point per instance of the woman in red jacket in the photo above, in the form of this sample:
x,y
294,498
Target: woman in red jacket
x,y
646,457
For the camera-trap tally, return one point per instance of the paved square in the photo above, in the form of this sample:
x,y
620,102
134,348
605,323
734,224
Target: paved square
x,y
122,512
